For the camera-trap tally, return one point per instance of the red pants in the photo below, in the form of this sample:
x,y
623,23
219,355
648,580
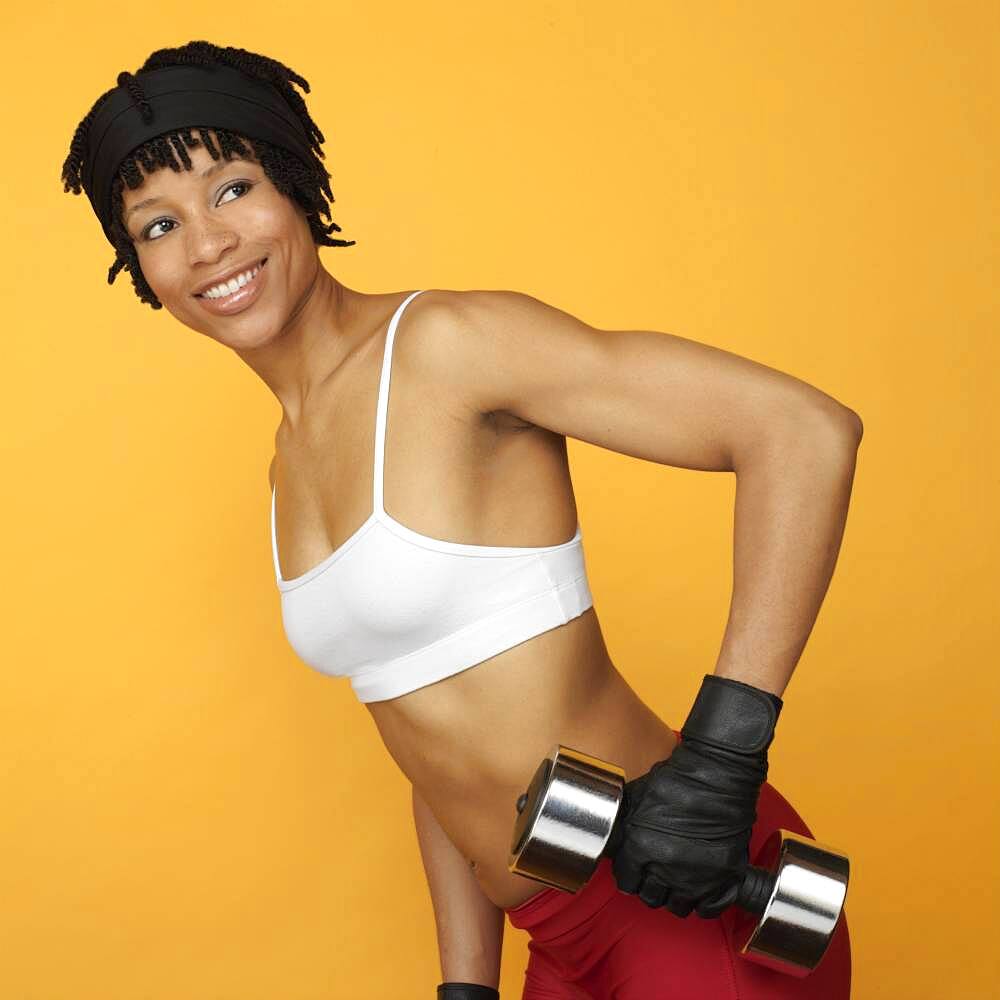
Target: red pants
x,y
603,944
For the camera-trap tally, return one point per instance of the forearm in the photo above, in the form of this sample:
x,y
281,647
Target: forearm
x,y
469,926
792,496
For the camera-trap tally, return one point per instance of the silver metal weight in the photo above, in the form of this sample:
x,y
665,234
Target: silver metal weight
x,y
564,822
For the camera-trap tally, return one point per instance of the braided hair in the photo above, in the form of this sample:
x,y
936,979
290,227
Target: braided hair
x,y
306,183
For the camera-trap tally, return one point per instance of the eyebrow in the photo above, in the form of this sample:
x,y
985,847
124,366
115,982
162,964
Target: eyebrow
x,y
214,169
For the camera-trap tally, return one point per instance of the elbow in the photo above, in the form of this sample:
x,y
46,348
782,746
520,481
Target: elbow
x,y
819,425
841,429
833,420
831,427
851,425
859,427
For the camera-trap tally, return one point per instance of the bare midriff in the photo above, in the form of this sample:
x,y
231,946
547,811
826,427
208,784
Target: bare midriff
x,y
471,742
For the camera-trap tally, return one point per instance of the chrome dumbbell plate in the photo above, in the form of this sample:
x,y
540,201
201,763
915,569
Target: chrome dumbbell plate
x,y
567,818
795,929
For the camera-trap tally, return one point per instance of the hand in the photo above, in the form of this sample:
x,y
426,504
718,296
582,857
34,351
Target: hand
x,y
683,834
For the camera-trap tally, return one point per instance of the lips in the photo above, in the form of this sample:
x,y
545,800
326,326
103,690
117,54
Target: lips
x,y
240,300
225,279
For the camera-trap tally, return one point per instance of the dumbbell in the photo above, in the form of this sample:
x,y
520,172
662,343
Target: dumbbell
x,y
796,886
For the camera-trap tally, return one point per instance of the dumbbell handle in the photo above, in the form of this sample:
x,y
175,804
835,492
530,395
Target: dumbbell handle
x,y
756,889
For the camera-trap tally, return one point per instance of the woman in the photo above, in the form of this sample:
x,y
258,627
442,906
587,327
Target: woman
x,y
426,533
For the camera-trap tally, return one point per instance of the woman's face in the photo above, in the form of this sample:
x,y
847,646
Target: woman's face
x,y
219,219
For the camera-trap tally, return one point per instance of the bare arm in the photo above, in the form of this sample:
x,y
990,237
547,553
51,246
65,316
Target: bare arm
x,y
469,926
668,399
792,495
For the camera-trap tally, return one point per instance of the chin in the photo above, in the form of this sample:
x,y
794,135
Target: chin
x,y
238,329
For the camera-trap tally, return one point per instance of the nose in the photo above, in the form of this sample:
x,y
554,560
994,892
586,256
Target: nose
x,y
207,243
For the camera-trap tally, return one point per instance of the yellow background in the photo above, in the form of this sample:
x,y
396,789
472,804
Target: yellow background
x,y
191,812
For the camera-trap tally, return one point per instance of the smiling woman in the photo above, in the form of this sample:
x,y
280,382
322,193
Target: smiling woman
x,y
427,544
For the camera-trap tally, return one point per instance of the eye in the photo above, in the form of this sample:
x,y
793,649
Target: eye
x,y
146,233
236,184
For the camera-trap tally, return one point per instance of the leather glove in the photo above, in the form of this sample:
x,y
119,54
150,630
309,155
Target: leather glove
x,y
466,991
681,838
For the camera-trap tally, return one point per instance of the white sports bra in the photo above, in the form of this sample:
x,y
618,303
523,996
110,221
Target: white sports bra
x,y
395,610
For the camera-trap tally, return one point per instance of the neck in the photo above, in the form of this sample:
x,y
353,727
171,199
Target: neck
x,y
317,336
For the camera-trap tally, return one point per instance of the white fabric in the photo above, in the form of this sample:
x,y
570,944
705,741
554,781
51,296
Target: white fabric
x,y
395,610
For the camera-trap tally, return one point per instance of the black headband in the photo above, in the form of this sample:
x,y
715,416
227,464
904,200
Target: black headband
x,y
185,97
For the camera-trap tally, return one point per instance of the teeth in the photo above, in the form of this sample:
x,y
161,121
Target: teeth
x,y
234,284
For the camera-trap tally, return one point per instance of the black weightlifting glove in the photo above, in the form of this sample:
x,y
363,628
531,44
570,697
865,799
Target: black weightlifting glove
x,y
682,835
466,991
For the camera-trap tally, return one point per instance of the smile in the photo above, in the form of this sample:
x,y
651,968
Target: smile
x,y
235,297
230,287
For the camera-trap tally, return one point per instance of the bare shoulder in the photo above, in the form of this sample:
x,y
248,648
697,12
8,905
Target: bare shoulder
x,y
443,320
447,339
